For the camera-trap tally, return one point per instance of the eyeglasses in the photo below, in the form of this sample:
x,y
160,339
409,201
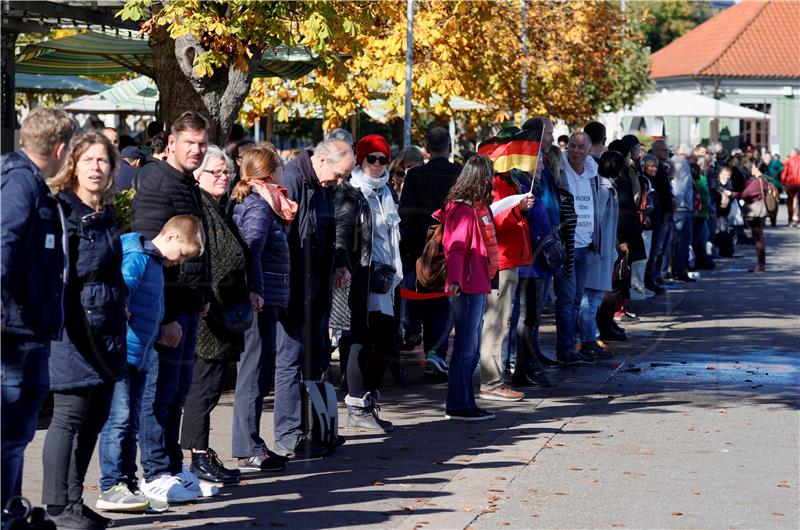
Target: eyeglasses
x,y
382,160
218,174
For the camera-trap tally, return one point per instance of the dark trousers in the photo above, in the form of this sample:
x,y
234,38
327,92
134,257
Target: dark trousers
x,y
255,376
659,252
378,349
207,377
532,296
25,383
792,193
165,392
78,418
683,238
757,229
292,363
437,323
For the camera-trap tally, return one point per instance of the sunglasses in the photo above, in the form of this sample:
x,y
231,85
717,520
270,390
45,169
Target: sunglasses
x,y
382,160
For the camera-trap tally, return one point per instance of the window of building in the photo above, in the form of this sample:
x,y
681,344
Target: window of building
x,y
755,132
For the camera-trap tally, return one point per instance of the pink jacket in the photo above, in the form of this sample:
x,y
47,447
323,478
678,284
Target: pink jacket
x,y
464,249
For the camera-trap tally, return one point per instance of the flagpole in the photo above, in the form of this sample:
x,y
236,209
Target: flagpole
x,y
409,64
524,56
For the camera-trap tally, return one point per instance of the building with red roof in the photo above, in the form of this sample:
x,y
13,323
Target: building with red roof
x,y
748,54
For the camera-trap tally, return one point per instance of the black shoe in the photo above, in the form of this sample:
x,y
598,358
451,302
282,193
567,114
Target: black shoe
x,y
87,512
527,377
217,462
656,288
469,415
411,342
570,357
72,518
587,353
611,334
685,278
544,360
207,470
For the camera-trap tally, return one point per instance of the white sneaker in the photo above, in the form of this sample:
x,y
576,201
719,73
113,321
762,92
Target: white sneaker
x,y
167,488
195,485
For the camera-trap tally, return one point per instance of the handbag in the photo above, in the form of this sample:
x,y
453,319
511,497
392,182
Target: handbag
x,y
238,317
381,277
551,251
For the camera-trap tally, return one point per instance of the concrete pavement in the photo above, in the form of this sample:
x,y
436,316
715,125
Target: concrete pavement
x,y
694,425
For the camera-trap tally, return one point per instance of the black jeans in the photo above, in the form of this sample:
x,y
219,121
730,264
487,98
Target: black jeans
x,y
203,396
78,417
378,350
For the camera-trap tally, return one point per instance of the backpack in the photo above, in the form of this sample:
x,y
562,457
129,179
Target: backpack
x,y
321,414
770,196
432,265
725,243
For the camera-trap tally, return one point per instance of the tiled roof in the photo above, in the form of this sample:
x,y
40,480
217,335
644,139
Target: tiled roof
x,y
754,39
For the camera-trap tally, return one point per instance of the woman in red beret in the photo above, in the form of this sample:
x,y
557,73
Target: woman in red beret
x,y
368,244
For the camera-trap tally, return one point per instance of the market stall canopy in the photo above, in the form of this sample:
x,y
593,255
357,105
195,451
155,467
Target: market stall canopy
x,y
679,103
97,53
69,84
137,96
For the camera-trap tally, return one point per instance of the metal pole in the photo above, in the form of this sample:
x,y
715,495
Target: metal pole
x,y
409,64
524,60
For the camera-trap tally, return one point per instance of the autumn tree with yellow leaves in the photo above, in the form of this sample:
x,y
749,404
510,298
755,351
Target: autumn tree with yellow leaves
x,y
584,57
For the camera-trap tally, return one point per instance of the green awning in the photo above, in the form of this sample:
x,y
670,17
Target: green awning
x,y
69,84
94,53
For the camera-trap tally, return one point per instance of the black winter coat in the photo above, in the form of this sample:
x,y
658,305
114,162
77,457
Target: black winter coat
x,y
424,191
266,235
629,226
164,192
92,351
311,239
354,245
230,263
33,264
664,190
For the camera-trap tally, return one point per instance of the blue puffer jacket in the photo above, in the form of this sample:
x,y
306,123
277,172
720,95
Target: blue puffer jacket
x,y
93,349
144,278
33,262
266,235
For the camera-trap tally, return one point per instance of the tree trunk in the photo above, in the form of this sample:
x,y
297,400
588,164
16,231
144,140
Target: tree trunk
x,y
219,97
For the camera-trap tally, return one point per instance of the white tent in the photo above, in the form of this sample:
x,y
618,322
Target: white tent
x,y
681,103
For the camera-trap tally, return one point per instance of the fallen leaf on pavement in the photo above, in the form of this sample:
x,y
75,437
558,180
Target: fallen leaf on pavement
x,y
469,509
779,514
576,469
499,478
677,513
617,525
377,483
560,493
784,485
406,508
532,490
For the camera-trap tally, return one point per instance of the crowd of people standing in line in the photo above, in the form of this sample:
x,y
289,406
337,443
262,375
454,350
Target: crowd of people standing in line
x,y
236,256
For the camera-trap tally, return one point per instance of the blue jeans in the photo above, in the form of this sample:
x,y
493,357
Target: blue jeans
x,y
25,383
587,315
409,309
683,235
255,375
468,319
167,385
292,365
659,252
117,444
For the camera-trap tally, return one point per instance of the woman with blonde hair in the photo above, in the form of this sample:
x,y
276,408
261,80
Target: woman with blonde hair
x,y
90,358
262,211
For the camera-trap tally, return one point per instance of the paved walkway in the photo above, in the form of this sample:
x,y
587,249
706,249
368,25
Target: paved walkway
x,y
695,425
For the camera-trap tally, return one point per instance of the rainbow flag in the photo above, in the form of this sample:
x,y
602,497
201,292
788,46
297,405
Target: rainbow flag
x,y
520,151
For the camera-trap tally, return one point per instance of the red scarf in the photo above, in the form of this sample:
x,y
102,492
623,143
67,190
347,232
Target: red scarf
x,y
277,197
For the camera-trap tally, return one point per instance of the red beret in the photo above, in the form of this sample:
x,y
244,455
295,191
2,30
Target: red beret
x,y
372,143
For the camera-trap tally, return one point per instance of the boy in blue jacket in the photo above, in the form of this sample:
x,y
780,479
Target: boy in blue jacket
x,y
142,269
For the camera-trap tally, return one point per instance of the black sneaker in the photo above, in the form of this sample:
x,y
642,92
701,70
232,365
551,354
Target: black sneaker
x,y
587,353
523,378
207,470
475,414
72,518
87,512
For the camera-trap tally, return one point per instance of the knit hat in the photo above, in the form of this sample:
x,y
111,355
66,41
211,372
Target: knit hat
x,y
372,143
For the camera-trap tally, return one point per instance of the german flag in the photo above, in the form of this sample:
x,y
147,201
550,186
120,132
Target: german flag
x,y
520,151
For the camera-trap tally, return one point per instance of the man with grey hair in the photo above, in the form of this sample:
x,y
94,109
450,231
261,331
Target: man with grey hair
x,y
579,172
341,134
303,346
